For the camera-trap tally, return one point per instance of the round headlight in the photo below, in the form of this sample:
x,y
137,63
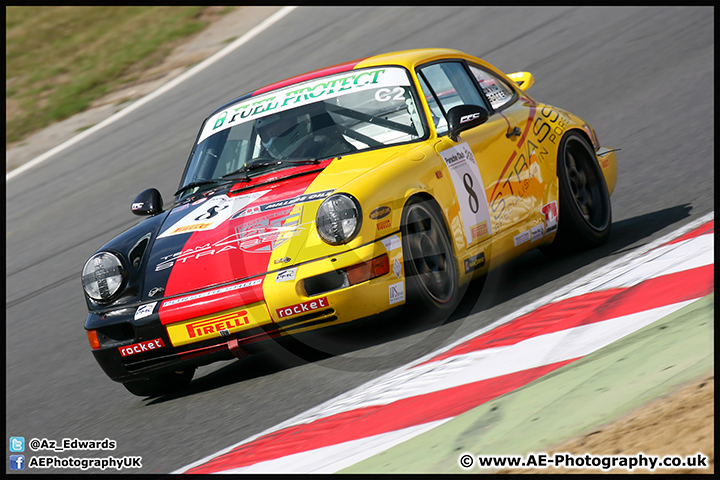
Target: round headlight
x,y
338,219
102,276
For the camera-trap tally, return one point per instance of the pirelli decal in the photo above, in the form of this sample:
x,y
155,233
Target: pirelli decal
x,y
218,324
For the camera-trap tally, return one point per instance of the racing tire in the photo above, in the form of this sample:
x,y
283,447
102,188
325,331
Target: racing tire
x,y
431,275
584,213
162,384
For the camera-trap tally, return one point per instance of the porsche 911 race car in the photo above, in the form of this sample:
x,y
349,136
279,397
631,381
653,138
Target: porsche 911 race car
x,y
341,194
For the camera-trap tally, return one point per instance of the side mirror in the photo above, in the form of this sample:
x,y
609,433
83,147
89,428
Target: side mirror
x,y
524,80
149,202
462,117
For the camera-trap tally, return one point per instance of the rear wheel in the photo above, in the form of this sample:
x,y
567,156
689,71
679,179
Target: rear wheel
x,y
430,268
584,217
161,384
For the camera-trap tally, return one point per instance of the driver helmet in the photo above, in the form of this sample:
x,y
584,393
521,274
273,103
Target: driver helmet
x,y
282,133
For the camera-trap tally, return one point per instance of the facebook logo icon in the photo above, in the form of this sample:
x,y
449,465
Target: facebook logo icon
x,y
17,462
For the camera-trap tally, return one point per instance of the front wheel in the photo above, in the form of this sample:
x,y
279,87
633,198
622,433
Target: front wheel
x,y
430,268
162,384
584,217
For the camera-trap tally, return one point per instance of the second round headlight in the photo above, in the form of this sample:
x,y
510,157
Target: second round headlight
x,y
338,219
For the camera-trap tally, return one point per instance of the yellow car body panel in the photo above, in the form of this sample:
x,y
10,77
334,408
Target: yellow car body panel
x,y
519,175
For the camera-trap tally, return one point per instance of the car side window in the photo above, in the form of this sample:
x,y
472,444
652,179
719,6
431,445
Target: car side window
x,y
446,85
496,90
438,117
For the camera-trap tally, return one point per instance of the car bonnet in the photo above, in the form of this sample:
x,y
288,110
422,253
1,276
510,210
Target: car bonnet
x,y
221,238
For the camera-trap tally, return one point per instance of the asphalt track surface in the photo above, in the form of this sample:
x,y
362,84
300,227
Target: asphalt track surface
x,y
641,76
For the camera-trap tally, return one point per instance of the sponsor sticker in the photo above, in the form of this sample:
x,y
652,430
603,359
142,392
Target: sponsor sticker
x,y
305,93
396,292
384,224
380,212
145,310
288,202
216,291
551,216
397,267
286,275
141,347
522,238
391,243
218,324
470,191
538,231
474,262
299,308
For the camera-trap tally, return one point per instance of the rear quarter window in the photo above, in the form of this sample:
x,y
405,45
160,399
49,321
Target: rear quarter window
x,y
498,93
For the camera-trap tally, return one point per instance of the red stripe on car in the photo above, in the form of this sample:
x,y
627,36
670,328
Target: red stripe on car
x,y
342,67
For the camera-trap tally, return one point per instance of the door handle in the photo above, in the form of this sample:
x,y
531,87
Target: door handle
x,y
515,131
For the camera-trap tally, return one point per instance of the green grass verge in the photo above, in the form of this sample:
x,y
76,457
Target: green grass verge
x,y
61,59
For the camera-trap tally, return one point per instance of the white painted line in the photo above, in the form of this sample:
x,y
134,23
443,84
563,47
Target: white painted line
x,y
457,371
482,365
267,23
573,289
334,458
352,398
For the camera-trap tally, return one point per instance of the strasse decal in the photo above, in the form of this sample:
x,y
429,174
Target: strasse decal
x,y
291,310
141,347
212,213
259,235
218,325
216,291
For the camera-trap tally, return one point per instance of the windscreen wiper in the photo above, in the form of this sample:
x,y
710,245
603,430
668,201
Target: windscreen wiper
x,y
200,183
262,164
246,168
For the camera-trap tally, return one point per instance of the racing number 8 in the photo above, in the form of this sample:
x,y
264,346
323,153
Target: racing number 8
x,y
472,199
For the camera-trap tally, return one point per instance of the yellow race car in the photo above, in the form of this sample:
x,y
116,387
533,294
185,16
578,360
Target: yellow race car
x,y
341,194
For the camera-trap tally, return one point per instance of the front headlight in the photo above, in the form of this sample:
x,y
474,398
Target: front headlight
x,y
338,219
102,276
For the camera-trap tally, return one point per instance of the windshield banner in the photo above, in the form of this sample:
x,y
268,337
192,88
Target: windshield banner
x,y
305,93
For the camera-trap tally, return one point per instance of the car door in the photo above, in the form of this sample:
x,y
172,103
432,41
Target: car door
x,y
494,146
519,188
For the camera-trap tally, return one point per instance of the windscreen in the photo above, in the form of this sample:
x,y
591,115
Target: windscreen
x,y
322,118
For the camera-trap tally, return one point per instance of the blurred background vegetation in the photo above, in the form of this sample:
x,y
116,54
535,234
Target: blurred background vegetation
x,y
61,59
